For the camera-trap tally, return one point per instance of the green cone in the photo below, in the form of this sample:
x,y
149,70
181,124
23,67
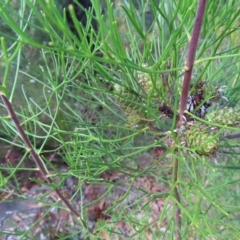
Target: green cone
x,y
224,116
146,83
202,138
131,104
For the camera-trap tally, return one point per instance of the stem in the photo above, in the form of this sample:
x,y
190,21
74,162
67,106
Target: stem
x,y
234,136
191,57
35,156
177,197
183,102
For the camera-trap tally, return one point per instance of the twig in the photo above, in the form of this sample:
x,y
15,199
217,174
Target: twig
x,y
177,197
35,156
190,58
183,102
234,136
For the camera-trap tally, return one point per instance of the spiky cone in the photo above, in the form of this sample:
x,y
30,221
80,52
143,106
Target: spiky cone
x,y
226,116
146,83
131,104
202,138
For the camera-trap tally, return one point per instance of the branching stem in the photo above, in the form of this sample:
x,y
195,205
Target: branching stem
x,y
35,156
178,219
191,57
183,102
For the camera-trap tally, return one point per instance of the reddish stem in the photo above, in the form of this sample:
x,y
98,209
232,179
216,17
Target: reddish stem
x,y
183,103
35,156
191,57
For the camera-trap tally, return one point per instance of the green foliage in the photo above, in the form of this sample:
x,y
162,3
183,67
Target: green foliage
x,y
77,92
